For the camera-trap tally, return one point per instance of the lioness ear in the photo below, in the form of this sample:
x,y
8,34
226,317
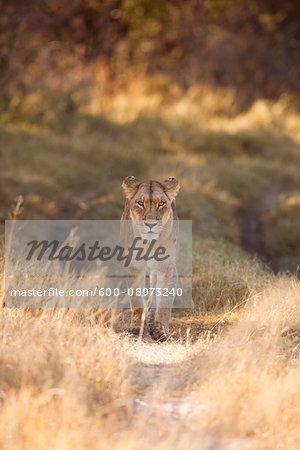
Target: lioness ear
x,y
130,186
171,187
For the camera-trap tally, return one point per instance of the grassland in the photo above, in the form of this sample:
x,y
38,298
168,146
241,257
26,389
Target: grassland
x,y
231,378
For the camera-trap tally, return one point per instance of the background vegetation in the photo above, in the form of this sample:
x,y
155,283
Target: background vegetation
x,y
248,46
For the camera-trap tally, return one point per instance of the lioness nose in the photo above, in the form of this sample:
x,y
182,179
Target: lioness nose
x,y
150,224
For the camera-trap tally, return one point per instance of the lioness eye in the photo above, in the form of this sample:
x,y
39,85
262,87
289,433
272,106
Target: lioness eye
x,y
140,203
161,204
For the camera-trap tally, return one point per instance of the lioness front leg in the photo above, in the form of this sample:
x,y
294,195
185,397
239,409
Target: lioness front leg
x,y
151,304
137,302
166,284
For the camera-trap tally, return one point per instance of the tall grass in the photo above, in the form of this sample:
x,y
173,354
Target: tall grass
x,y
67,381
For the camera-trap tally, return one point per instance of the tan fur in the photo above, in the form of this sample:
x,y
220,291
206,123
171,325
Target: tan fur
x,y
150,213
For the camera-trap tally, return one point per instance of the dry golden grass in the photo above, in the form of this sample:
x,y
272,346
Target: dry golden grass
x,y
67,381
250,376
60,378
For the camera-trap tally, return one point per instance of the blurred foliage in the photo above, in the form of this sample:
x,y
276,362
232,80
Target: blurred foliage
x,y
146,18
250,46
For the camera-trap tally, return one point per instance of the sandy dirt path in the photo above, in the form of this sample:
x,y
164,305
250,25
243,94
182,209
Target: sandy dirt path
x,y
164,396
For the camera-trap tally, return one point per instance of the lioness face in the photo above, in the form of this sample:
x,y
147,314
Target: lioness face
x,y
150,204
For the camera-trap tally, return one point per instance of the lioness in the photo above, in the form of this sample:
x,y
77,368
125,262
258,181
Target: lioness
x,y
150,214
